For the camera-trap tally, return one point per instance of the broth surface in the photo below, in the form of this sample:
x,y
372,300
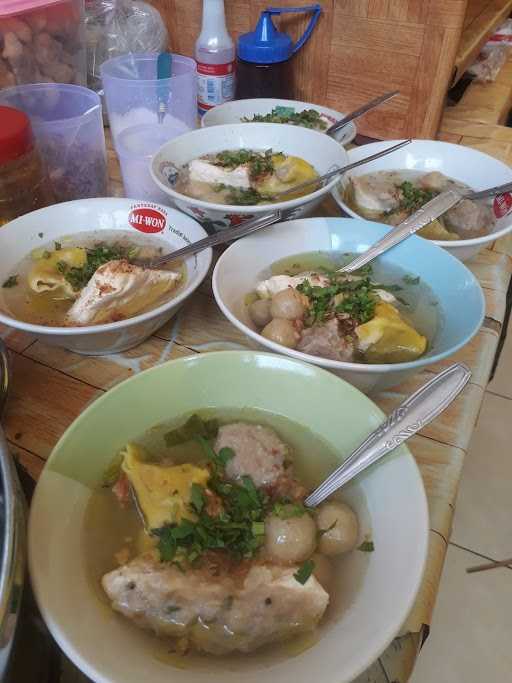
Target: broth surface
x,y
25,304
109,529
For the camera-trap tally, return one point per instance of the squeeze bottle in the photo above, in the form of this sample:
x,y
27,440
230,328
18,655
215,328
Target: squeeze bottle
x,y
215,56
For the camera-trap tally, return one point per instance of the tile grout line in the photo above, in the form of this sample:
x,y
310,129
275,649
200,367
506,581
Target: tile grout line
x,y
493,393
475,552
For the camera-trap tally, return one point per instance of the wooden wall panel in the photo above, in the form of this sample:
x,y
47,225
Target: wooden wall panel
x,y
360,49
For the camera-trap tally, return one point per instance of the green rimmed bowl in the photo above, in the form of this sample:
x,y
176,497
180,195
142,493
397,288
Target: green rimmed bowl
x,y
375,591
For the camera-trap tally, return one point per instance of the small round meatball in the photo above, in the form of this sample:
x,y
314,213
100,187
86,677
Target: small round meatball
x,y
260,312
342,537
282,332
323,571
287,304
288,541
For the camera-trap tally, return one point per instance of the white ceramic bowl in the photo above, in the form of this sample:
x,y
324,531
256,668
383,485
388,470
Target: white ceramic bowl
x,y
234,112
320,150
459,297
19,237
468,165
375,590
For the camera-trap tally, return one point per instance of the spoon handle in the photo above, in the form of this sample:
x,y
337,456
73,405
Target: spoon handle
x,y
245,228
489,192
423,216
359,112
321,180
410,416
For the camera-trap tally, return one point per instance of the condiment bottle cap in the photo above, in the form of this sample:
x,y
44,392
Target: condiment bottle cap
x,y
16,137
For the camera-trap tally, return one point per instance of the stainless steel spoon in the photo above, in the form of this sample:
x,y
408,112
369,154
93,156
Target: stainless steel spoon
x,y
359,112
419,219
412,415
262,221
320,180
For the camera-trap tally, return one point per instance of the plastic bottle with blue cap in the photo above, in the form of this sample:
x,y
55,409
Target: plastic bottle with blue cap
x,y
264,56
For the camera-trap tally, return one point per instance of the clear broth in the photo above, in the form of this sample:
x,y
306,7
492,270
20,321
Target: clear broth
x,y
418,303
108,529
42,309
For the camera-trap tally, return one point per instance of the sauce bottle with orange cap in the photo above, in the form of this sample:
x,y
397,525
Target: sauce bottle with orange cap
x,y
24,184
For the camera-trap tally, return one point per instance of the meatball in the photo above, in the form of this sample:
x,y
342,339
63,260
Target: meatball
x,y
259,312
282,332
287,304
259,452
343,528
289,541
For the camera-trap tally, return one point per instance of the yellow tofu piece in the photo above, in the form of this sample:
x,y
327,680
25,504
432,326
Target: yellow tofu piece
x,y
388,338
163,491
44,276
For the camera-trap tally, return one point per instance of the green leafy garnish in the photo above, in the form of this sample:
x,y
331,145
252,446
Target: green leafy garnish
x,y
195,426
259,163
358,299
239,529
410,280
58,246
11,281
413,197
197,497
97,256
287,510
241,196
46,254
367,547
321,532
308,118
304,571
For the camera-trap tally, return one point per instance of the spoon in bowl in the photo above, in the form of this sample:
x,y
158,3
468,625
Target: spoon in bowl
x,y
261,221
359,112
321,180
412,415
419,219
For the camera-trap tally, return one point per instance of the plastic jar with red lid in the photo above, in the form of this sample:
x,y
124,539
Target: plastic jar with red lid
x,y
24,184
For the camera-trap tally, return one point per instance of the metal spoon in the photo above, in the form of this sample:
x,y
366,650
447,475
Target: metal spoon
x,y
320,180
419,219
261,221
412,415
359,112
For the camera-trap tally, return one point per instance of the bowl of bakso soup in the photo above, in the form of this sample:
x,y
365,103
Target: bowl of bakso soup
x,y
412,307
270,110
75,274
223,175
388,190
175,545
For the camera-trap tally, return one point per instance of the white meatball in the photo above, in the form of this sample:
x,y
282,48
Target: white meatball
x,y
289,541
323,571
260,312
282,332
287,304
343,535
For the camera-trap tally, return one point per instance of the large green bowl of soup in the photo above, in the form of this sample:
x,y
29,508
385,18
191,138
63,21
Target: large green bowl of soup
x,y
230,575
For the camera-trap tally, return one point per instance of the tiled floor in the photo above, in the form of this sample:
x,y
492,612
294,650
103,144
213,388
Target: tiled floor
x,y
470,639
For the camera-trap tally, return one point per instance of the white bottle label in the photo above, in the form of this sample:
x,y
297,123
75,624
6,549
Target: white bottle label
x,y
215,84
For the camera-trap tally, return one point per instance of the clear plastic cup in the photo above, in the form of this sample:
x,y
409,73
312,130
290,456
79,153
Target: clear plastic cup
x,y
135,148
133,93
68,127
